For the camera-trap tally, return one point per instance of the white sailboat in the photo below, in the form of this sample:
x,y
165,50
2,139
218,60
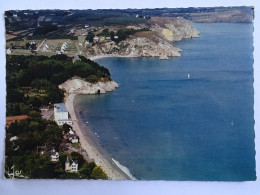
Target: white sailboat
x,y
188,76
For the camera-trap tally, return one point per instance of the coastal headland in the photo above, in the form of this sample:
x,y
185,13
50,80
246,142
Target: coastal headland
x,y
50,52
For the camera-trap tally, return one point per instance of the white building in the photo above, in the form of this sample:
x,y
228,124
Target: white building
x,y
61,115
45,47
74,139
63,47
54,156
96,39
71,166
71,132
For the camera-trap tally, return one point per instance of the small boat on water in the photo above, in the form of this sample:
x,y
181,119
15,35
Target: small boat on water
x,y
188,76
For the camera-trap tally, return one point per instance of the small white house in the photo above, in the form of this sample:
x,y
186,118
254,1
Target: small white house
x,y
86,25
61,115
71,166
96,39
115,37
54,156
63,47
74,139
86,43
45,47
71,132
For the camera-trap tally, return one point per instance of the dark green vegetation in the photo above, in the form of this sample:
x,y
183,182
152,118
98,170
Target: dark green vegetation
x,y
125,33
53,24
29,153
51,32
32,81
101,17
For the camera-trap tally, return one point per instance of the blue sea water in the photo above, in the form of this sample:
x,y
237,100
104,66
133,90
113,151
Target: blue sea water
x,y
164,126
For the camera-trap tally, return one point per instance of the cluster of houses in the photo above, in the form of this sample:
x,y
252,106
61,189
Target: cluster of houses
x,y
72,136
70,165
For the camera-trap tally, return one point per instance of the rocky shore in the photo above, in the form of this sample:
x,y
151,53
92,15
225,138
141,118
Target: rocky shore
x,y
79,86
158,41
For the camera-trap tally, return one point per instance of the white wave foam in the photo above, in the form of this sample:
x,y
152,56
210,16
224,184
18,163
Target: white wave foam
x,y
124,169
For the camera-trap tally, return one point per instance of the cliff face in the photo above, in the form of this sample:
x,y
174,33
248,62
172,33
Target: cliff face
x,y
174,29
156,42
79,86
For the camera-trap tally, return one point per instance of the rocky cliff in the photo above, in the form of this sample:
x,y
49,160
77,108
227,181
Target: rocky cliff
x,y
158,41
79,86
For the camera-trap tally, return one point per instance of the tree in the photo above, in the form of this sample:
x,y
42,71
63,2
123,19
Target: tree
x,y
27,45
87,169
92,79
66,128
112,34
98,173
90,37
78,157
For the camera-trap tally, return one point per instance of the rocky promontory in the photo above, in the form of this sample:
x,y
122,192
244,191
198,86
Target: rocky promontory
x,y
157,41
79,86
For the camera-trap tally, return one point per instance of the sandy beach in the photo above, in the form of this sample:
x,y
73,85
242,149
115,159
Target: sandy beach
x,y
112,56
91,146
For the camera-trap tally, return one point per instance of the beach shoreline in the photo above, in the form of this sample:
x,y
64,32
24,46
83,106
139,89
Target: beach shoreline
x,y
91,145
112,56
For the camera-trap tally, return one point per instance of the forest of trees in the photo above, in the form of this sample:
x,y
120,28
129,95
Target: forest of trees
x,y
32,81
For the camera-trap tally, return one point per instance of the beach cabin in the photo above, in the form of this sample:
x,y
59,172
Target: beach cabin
x,y
61,115
71,166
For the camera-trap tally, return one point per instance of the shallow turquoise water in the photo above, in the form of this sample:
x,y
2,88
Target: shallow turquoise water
x,y
164,126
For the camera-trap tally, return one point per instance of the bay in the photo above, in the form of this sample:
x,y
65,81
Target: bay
x,y
163,126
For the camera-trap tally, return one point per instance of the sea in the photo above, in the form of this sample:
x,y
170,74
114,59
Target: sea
x,y
185,118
